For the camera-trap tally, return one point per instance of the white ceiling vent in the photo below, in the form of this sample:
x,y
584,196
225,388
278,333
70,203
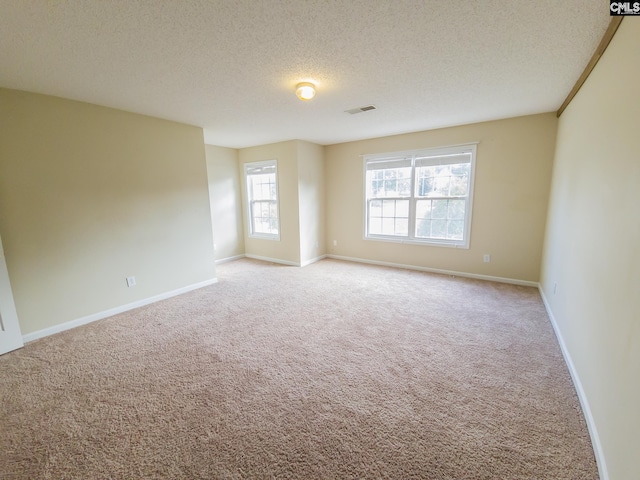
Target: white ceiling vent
x,y
366,108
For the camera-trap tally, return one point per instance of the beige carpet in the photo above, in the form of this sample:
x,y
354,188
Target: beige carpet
x,y
333,371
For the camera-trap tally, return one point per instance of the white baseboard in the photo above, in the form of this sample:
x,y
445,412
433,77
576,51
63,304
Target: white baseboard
x,y
272,260
29,337
476,276
229,259
584,402
313,260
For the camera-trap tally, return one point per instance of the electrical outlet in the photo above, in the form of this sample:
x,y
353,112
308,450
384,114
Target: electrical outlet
x,y
555,287
486,258
335,243
131,281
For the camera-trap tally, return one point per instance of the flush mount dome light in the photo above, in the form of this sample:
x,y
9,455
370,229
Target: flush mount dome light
x,y
305,91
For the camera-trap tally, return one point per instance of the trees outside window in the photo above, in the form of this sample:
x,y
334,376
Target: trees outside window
x,y
422,196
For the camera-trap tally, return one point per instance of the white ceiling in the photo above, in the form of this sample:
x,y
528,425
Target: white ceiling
x,y
230,66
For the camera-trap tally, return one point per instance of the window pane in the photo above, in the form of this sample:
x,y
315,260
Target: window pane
x,y
264,217
459,185
388,226
442,180
376,188
455,229
404,187
448,216
388,208
438,229
423,228
460,169
402,208
402,226
263,186
430,183
261,181
375,208
375,226
456,209
439,209
437,202
423,209
389,217
390,187
425,184
390,182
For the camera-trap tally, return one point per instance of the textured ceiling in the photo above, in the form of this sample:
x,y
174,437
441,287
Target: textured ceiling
x,y
230,66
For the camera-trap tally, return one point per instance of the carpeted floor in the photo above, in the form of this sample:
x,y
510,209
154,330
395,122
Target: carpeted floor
x,y
332,371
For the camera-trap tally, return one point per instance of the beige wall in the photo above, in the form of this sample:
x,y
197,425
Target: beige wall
x,y
513,170
287,249
226,202
592,248
301,201
311,196
91,195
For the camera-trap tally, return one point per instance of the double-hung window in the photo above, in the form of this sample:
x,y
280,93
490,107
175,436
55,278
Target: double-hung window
x,y
421,196
262,199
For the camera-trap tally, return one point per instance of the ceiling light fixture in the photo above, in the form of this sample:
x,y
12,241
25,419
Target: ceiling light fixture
x,y
305,90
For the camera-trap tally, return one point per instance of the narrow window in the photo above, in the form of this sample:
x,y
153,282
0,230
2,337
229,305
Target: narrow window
x,y
262,199
422,196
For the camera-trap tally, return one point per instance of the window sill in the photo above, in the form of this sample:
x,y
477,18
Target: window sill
x,y
275,238
413,241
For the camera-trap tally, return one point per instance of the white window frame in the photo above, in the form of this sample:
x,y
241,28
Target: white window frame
x,y
411,156
248,168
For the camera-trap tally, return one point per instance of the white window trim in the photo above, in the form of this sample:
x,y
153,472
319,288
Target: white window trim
x,y
262,236
410,239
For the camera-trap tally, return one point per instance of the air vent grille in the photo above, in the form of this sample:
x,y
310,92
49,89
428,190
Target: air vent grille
x,y
366,108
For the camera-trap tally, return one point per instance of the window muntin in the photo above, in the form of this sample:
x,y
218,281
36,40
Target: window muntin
x,y
262,199
421,196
